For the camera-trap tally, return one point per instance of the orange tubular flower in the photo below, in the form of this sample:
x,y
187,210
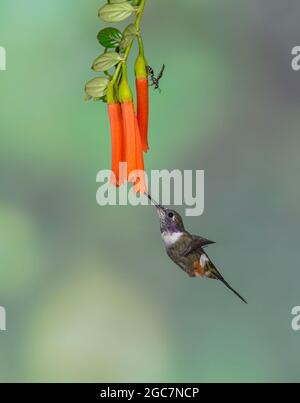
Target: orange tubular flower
x,y
129,128
142,92
140,184
129,131
117,138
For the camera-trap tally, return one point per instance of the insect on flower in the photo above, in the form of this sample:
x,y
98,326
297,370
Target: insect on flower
x,y
155,80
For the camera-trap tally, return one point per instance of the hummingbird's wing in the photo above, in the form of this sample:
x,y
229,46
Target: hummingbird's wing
x,y
196,243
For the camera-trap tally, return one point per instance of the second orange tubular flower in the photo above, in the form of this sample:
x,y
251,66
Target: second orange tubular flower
x,y
134,153
140,185
142,92
117,137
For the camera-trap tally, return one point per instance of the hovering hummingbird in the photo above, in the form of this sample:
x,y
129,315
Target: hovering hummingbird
x,y
186,250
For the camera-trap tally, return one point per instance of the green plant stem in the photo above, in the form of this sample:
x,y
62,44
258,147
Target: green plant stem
x,y
137,24
140,15
141,46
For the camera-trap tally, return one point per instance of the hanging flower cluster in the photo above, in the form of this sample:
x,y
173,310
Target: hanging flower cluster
x,y
128,124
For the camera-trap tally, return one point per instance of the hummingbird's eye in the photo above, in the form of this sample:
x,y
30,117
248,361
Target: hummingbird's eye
x,y
171,215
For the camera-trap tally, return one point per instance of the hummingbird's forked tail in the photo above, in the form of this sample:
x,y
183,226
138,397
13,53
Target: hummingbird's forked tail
x,y
219,277
215,274
233,290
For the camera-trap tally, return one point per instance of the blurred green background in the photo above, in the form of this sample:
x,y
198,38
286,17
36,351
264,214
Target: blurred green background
x,y
89,292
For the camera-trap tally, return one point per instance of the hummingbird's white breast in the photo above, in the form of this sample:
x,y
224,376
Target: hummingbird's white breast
x,y
170,238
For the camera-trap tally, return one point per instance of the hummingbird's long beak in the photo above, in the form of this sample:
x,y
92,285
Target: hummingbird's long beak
x,y
158,206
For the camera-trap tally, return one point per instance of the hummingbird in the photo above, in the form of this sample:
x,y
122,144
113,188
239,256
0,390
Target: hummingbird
x,y
186,250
